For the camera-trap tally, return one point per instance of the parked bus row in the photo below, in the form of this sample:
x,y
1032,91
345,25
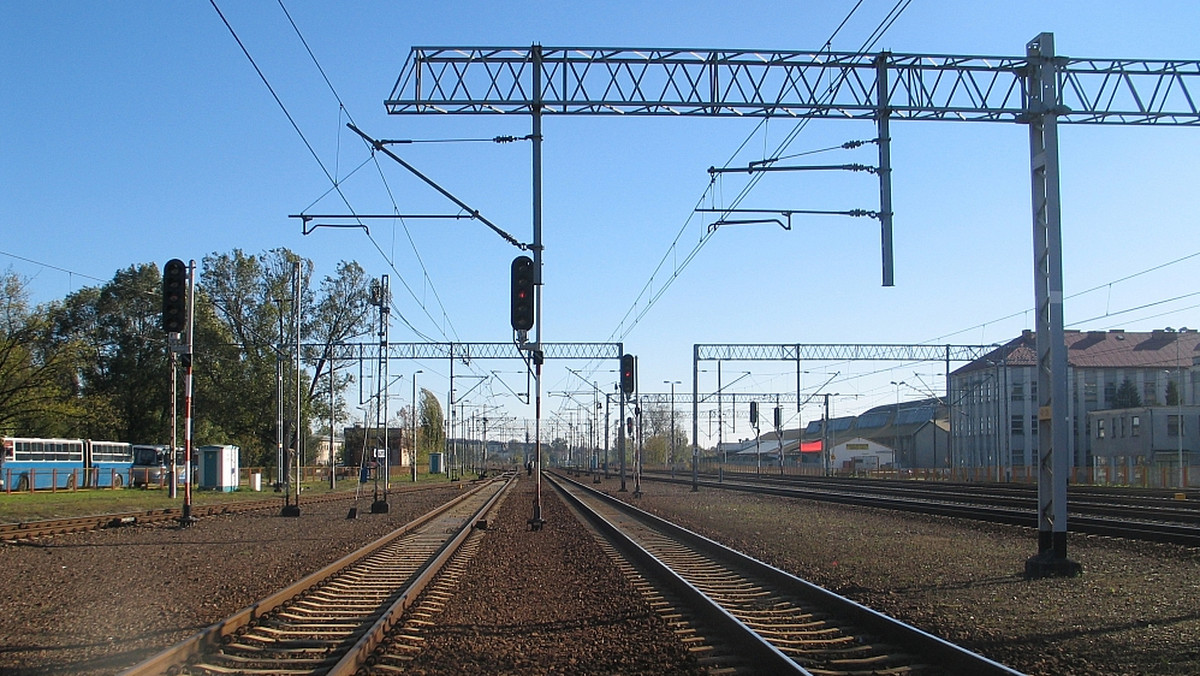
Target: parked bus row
x,y
40,464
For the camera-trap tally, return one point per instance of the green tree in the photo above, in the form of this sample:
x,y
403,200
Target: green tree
x,y
1127,396
340,313
255,305
124,381
432,432
1172,393
37,376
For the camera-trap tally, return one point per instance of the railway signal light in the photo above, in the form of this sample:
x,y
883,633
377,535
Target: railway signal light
x,y
174,301
754,413
629,425
778,417
522,293
628,369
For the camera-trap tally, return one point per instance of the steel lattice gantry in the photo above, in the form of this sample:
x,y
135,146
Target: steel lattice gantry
x,y
739,83
838,352
1039,89
468,351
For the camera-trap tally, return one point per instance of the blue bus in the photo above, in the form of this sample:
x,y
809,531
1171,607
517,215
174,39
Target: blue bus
x,y
34,464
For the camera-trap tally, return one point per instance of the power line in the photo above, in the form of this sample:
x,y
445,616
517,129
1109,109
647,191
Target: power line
x,y
877,34
336,186
1098,287
52,267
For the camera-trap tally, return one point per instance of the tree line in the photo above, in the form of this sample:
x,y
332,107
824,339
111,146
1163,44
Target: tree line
x,y
95,364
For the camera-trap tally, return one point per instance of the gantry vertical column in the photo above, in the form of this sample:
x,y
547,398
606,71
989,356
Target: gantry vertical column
x,y
1053,425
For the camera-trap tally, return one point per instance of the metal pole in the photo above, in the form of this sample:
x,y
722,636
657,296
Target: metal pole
x,y
332,422
720,420
414,426
536,113
281,462
174,358
825,439
695,418
1053,413
448,456
1179,404
885,167
621,438
299,443
186,518
607,431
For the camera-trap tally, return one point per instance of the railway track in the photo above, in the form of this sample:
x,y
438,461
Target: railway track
x,y
329,622
1149,518
31,530
770,621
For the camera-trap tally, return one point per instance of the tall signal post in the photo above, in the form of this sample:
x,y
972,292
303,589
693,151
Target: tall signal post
x,y
178,309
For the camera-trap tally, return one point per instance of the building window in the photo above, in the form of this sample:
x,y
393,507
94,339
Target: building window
x,y
1173,426
1018,392
1100,428
1110,393
1135,426
1017,426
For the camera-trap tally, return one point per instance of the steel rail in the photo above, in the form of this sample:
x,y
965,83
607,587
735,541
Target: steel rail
x,y
364,623
783,623
1184,531
27,530
18,531
1154,507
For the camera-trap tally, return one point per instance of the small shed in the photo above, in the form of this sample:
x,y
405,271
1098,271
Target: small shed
x,y
218,466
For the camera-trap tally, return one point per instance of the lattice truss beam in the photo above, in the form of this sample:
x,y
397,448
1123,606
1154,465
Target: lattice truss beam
x,y
465,352
839,352
798,84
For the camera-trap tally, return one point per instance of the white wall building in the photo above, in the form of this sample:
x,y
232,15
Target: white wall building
x,y
994,400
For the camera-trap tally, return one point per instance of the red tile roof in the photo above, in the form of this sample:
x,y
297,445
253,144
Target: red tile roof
x,y
1103,349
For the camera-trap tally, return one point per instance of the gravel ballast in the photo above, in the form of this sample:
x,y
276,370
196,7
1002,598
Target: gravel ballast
x,y
1135,609
551,602
98,602
547,601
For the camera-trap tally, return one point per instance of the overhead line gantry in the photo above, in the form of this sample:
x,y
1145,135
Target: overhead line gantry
x,y
1039,89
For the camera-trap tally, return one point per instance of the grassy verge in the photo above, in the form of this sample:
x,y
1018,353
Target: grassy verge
x,y
17,507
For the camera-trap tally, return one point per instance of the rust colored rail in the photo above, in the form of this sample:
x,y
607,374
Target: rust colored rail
x,y
772,621
330,621
30,530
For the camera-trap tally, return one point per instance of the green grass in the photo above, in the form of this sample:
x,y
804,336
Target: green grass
x,y
17,507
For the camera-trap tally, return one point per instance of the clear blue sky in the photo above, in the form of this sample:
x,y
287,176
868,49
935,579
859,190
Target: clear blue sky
x,y
135,132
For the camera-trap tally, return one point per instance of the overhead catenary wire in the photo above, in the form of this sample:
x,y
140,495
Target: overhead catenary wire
x,y
868,44
1106,285
621,331
647,293
336,186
